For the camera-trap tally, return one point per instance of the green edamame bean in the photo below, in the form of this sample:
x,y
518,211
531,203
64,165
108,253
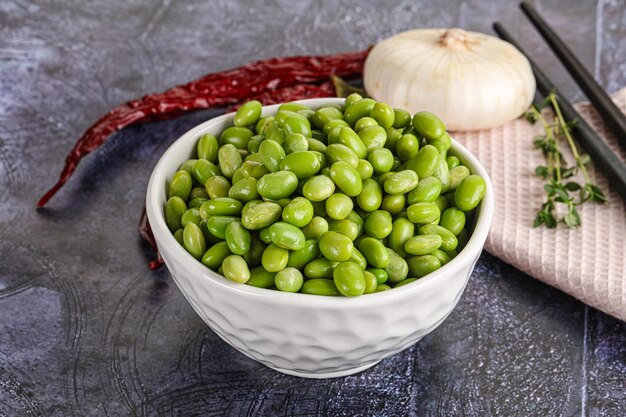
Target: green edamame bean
x,y
469,192
421,213
339,152
402,118
318,188
295,142
319,268
298,212
443,257
380,274
339,206
373,137
358,258
198,192
398,269
345,227
178,235
425,162
394,203
217,186
207,147
217,225
442,174
245,190
274,259
236,269
255,144
358,109
260,215
297,125
453,219
352,98
316,145
248,113
277,185
289,280
404,282
264,236
229,160
370,282
420,266
401,182
261,278
374,252
426,191
441,202
316,228
442,144
282,116
291,106
255,254
319,286
275,132
304,164
453,162
364,122
448,239
346,178
365,169
407,147
299,258
332,125
194,240
335,246
349,280
457,175
287,236
402,231
422,244
263,124
215,255
221,206
237,238
382,287
325,114
381,160
393,136
272,154
191,215
383,114
428,125
175,207
237,136
351,139
180,186
378,224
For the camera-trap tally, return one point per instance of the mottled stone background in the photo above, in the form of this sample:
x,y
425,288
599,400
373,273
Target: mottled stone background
x,y
86,329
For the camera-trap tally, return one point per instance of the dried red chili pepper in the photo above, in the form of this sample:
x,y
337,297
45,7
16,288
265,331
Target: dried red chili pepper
x,y
222,88
296,92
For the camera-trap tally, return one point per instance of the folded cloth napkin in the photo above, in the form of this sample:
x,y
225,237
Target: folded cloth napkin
x,y
588,263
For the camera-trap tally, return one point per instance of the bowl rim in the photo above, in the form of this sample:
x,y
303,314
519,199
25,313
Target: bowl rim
x,y
163,236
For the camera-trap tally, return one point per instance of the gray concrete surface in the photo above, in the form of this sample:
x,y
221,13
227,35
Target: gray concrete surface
x,y
87,330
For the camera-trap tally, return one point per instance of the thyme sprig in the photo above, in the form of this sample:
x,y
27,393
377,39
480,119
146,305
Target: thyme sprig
x,y
560,186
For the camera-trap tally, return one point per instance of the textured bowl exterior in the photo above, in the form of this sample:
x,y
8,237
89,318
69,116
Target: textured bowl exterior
x,y
305,335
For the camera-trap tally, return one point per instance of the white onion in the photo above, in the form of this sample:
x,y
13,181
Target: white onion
x,y
470,80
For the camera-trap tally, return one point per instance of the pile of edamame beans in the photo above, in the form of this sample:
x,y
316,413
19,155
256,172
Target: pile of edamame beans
x,y
339,200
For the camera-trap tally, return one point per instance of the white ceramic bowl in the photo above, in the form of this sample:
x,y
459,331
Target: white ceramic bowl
x,y
306,335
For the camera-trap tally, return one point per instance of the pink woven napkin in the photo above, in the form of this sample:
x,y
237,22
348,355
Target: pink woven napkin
x,y
589,262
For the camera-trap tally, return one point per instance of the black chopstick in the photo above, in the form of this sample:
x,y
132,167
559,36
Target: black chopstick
x,y
601,154
615,119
